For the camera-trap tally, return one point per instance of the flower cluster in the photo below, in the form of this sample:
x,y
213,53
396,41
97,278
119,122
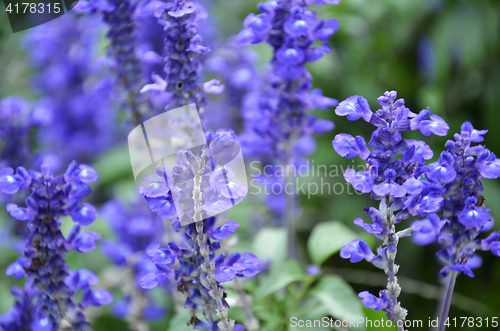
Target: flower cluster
x,y
182,49
16,122
200,270
135,227
50,284
236,68
123,52
459,171
75,95
201,191
275,115
392,175
20,317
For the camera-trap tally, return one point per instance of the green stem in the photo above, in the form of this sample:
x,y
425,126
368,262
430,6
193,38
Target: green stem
x,y
447,301
289,210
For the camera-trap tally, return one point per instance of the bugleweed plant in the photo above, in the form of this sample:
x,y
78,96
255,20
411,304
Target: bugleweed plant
x,y
392,175
177,253
458,175
48,302
278,122
450,188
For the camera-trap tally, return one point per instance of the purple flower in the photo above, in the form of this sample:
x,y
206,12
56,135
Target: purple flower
x,y
361,180
249,265
199,188
81,279
435,125
490,169
321,126
495,248
85,214
96,298
87,174
347,146
468,132
15,270
377,228
384,302
258,24
20,214
325,29
443,170
85,242
9,183
290,54
313,270
354,108
462,268
246,265
356,251
163,206
151,280
389,187
426,231
422,204
472,216
153,186
225,231
421,153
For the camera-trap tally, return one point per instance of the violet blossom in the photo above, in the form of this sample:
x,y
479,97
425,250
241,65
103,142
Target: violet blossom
x,y
74,93
50,285
278,122
392,175
463,216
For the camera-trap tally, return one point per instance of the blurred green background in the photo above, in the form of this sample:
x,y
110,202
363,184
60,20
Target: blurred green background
x,y
439,54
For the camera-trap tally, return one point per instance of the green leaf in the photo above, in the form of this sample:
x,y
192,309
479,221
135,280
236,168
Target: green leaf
x,y
270,243
315,311
279,278
178,322
333,292
327,239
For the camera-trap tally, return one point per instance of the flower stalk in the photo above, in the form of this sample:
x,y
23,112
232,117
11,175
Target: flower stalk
x,y
393,287
450,286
